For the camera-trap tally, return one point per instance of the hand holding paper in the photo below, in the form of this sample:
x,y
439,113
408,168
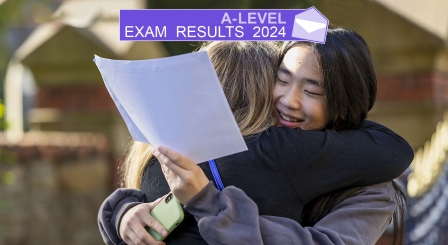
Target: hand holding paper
x,y
185,178
176,102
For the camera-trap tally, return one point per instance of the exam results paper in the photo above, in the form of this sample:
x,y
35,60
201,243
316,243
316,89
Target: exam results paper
x,y
176,102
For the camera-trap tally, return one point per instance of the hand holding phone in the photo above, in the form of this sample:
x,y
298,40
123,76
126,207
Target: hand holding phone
x,y
139,218
169,213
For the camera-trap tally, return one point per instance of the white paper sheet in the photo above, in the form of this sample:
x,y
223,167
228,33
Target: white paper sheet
x,y
175,102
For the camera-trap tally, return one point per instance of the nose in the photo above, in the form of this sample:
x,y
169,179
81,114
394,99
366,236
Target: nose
x,y
292,98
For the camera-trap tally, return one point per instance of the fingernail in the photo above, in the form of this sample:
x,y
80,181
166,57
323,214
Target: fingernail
x,y
161,148
164,232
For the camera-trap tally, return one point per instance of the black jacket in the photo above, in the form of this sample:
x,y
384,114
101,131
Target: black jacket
x,y
285,168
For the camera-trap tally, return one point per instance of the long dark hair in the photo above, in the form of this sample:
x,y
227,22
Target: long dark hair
x,y
349,78
350,85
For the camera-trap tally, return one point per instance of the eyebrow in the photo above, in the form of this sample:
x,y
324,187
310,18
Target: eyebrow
x,y
313,82
285,71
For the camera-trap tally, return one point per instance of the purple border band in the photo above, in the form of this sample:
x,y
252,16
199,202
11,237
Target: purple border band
x,y
208,25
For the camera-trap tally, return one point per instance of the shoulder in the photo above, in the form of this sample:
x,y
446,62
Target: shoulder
x,y
121,194
288,135
385,188
377,195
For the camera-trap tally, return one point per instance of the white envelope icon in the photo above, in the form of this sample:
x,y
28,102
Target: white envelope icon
x,y
310,26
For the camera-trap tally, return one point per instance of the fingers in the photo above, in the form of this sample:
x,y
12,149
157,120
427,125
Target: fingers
x,y
135,234
184,177
152,205
164,160
170,176
132,227
176,158
130,238
152,223
141,235
172,155
135,240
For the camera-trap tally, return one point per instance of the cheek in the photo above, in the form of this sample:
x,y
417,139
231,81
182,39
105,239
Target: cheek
x,y
277,92
322,113
317,114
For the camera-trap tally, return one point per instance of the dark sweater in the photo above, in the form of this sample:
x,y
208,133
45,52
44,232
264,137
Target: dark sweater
x,y
285,168
230,217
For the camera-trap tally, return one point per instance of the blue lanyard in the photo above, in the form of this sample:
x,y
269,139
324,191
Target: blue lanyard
x,y
215,173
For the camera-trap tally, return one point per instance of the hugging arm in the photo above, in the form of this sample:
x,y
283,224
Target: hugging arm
x,y
113,209
372,154
230,217
324,161
123,216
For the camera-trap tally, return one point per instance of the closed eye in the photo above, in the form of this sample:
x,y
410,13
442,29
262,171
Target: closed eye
x,y
312,93
282,82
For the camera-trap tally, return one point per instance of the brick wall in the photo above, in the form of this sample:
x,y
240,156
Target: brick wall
x,y
413,88
400,88
441,88
74,97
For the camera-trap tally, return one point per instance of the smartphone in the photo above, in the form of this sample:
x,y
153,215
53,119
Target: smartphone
x,y
169,213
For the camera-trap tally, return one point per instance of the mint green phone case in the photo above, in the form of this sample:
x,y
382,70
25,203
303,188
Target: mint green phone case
x,y
169,213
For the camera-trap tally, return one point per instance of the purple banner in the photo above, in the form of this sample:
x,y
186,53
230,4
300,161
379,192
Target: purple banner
x,y
230,25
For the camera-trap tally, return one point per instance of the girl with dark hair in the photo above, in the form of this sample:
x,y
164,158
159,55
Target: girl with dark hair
x,y
352,79
291,159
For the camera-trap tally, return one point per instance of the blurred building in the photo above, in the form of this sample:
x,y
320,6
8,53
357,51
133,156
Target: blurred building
x,y
408,41
70,93
59,156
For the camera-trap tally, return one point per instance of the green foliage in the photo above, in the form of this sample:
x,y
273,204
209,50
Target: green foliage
x,y
7,158
3,124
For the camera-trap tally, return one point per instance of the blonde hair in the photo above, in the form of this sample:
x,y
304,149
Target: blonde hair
x,y
247,72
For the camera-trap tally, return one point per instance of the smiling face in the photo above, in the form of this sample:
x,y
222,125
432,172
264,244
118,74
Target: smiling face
x,y
299,95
